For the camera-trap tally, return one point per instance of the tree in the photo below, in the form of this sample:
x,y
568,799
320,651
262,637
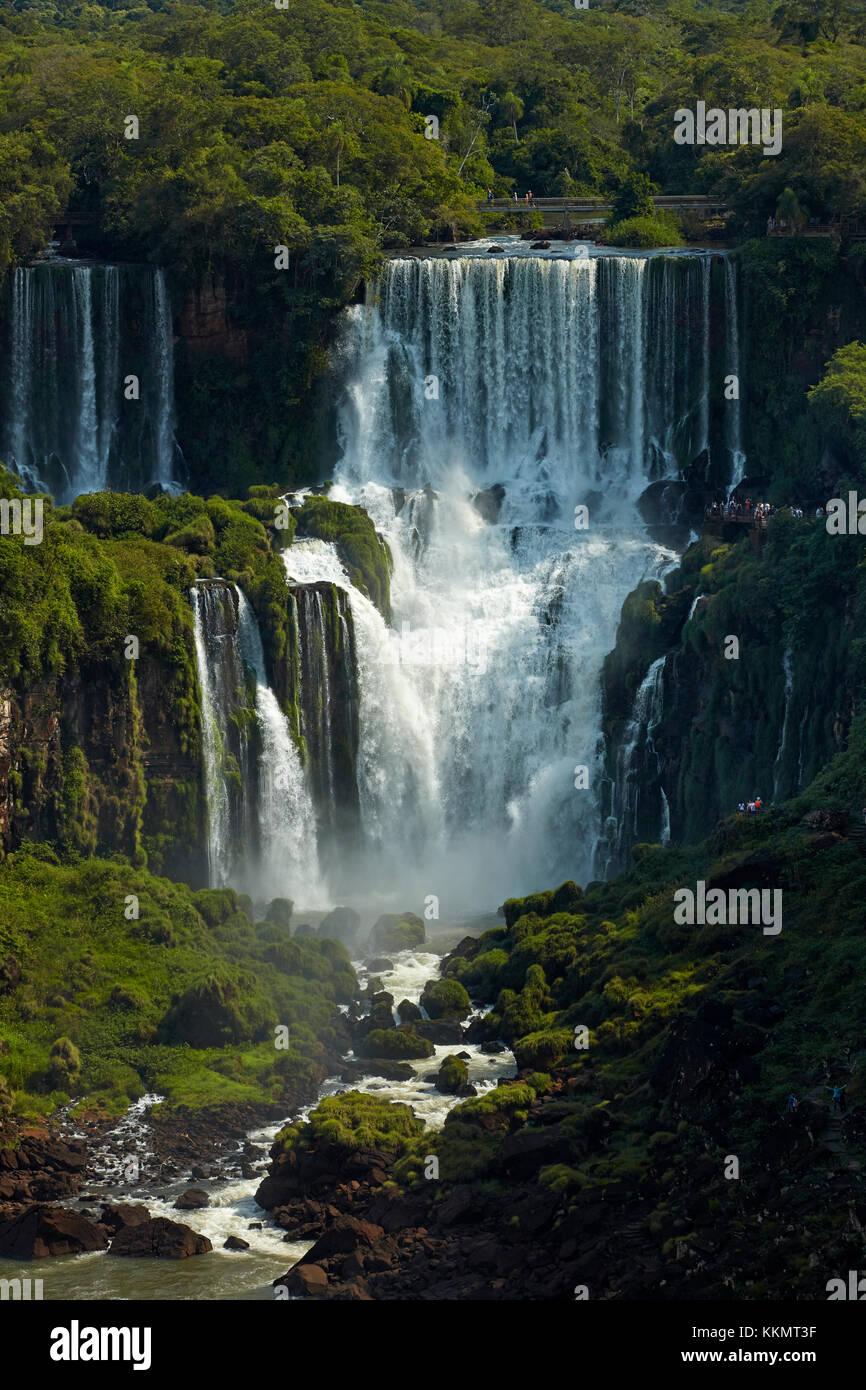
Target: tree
x,y
634,199
788,209
513,108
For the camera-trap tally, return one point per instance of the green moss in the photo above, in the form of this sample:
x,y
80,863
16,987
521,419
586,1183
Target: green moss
x,y
397,932
394,1043
354,1121
362,550
445,999
183,1000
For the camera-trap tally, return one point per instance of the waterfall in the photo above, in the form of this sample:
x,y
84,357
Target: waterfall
x,y
286,820
733,408
638,766
788,669
483,401
74,334
261,823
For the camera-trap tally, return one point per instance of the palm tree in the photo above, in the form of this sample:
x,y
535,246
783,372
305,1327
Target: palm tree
x,y
513,108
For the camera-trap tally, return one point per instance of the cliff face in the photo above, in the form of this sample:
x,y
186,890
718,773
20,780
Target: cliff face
x,y
94,761
317,684
757,676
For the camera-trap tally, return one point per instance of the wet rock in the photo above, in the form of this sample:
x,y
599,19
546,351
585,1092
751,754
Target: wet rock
x,y
491,1049
198,1172
160,1239
235,1243
342,924
377,1066
380,963
116,1217
397,931
407,1011
345,1235
442,1030
492,250
255,1226
451,1076
304,1281
488,504
42,1231
192,1200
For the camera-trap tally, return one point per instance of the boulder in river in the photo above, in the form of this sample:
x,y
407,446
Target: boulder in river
x,y
40,1231
304,1281
376,1066
193,1200
397,931
235,1243
160,1239
341,925
445,999
120,1214
488,503
440,1030
407,1011
453,1073
380,963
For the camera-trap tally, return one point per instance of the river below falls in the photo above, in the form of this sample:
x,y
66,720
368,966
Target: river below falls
x,y
228,1274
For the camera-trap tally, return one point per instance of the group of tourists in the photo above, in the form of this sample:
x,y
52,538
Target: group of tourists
x,y
837,1093
749,808
745,509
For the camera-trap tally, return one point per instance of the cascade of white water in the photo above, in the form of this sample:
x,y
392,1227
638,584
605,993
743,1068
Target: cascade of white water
x,y
210,637
162,350
788,669
66,426
635,750
734,440
287,822
552,379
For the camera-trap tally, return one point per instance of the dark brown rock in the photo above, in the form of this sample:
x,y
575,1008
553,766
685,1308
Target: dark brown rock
x,y
304,1281
41,1231
160,1239
192,1200
116,1217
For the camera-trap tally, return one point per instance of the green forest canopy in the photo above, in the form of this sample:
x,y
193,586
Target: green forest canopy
x,y
304,126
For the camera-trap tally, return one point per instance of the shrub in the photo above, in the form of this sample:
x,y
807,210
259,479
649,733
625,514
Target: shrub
x,y
645,233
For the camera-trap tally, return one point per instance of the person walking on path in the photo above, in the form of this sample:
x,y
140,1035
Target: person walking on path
x,y
792,1103
838,1097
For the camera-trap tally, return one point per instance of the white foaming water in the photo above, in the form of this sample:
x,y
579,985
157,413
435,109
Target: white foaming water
x,y
547,378
412,970
268,848
287,822
733,407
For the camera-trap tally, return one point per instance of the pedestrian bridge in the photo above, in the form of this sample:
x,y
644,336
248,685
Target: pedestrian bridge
x,y
589,209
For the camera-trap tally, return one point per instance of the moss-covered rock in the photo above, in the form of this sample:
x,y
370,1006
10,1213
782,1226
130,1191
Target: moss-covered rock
x,y
445,999
394,1042
452,1074
397,932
